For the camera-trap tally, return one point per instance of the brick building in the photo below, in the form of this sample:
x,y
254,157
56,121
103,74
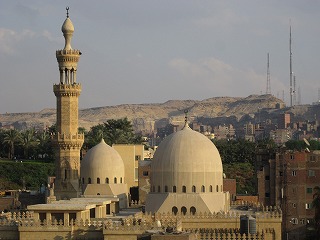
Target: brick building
x,y
288,180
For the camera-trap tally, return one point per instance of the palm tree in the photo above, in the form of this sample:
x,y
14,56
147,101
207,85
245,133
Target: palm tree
x,y
11,138
28,141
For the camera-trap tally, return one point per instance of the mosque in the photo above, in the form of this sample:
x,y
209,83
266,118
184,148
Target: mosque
x,y
89,199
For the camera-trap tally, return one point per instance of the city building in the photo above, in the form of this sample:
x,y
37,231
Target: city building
x,y
288,180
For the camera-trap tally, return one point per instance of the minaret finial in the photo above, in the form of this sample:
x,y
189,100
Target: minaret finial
x,y
186,116
67,8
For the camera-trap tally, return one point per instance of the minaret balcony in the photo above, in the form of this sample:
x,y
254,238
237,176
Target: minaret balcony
x,y
70,136
68,52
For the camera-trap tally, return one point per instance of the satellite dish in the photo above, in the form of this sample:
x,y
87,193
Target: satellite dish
x,y
306,141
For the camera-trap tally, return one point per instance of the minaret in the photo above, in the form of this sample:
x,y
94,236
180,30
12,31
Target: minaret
x,y
67,140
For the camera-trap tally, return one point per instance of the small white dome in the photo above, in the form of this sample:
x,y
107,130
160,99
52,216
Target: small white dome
x,y
186,161
104,163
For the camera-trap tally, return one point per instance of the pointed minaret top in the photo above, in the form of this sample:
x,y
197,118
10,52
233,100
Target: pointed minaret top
x,y
67,29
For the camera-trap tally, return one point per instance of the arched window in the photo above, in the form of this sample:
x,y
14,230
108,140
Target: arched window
x,y
121,180
98,180
193,188
184,189
174,189
98,193
203,188
159,188
175,210
107,180
184,210
89,180
193,210
82,180
153,188
115,180
165,188
211,188
217,188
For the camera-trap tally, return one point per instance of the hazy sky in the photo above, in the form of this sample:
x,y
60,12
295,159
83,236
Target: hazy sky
x,y
146,51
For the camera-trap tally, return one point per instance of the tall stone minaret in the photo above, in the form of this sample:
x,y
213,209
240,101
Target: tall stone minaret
x,y
67,140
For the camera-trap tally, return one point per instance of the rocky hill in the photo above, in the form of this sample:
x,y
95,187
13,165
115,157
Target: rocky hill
x,y
147,117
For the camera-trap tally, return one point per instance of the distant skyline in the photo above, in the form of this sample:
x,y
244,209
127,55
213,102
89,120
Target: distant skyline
x,y
149,51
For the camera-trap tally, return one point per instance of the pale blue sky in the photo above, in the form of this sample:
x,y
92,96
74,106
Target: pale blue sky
x,y
146,51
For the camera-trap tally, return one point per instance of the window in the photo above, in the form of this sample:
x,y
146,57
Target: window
x,y
217,188
292,157
294,173
159,188
267,177
138,157
302,221
184,210
89,180
267,194
184,189
294,220
98,180
121,180
211,188
193,188
311,173
294,205
145,173
175,210
115,180
203,189
82,180
166,188
309,190
174,189
281,173
193,210
312,158
308,205
107,180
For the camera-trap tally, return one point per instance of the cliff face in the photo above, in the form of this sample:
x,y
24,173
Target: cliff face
x,y
147,117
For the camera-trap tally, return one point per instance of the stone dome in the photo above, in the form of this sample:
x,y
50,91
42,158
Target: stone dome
x,y
186,161
102,164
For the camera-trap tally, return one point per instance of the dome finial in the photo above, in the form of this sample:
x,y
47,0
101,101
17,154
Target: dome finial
x,y
186,125
67,8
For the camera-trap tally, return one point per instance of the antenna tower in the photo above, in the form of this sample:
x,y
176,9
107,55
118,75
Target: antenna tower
x,y
291,90
268,91
299,96
294,90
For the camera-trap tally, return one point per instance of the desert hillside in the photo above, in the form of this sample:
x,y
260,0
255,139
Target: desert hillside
x,y
147,117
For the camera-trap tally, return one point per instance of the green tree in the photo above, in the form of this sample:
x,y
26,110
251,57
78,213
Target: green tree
x,y
29,142
44,148
11,139
114,131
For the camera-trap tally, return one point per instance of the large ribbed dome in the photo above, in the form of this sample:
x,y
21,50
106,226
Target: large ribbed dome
x,y
186,161
104,163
